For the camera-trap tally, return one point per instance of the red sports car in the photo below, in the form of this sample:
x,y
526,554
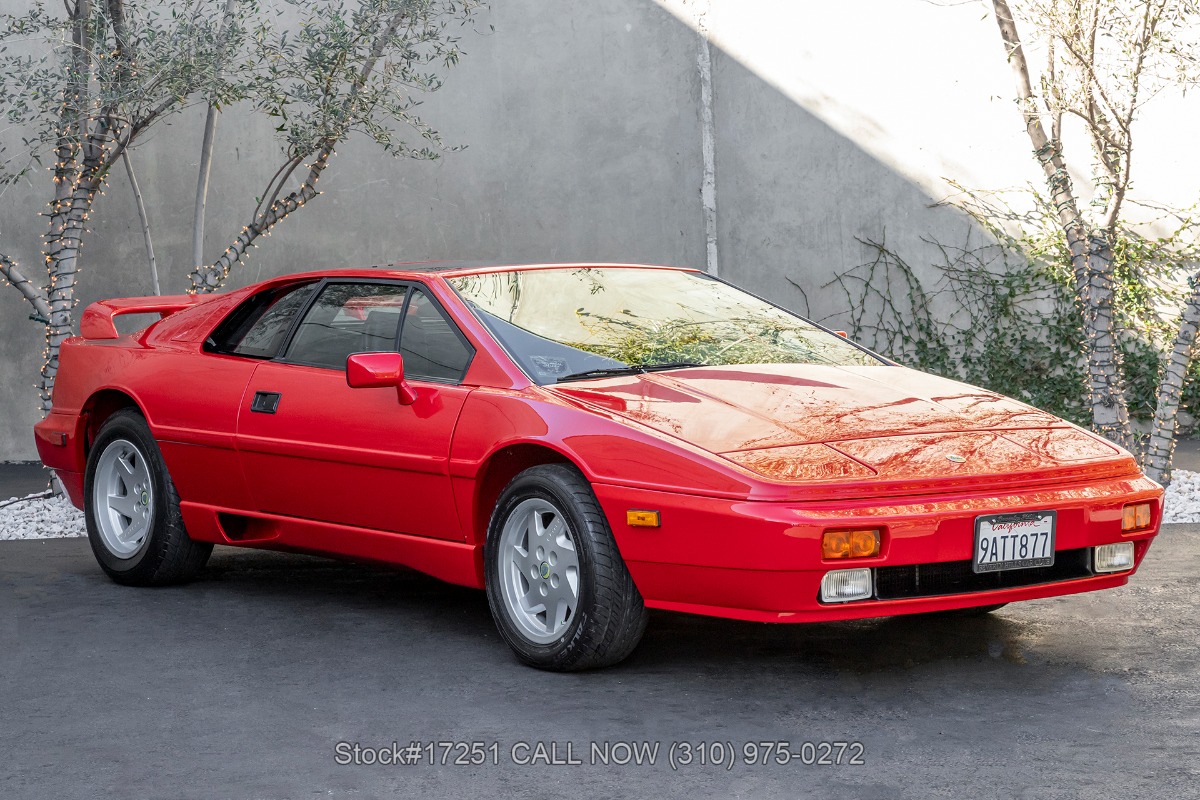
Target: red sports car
x,y
582,441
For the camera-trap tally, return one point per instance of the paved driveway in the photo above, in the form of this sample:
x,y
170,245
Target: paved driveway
x,y
243,684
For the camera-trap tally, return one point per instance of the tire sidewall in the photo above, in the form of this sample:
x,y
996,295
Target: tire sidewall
x,y
545,487
133,428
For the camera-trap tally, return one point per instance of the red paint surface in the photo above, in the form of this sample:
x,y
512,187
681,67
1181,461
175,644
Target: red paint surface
x,y
747,465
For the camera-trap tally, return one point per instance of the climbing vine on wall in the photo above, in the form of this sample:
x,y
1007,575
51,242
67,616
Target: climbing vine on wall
x,y
1000,311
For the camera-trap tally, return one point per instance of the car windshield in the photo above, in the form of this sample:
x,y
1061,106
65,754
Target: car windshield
x,y
574,323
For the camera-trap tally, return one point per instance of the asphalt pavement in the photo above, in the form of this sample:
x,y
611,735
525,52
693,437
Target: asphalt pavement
x,y
243,684
1187,455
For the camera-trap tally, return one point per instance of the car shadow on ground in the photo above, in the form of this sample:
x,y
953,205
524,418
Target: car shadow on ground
x,y
398,597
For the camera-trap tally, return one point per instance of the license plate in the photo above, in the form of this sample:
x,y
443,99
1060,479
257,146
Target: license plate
x,y
1014,541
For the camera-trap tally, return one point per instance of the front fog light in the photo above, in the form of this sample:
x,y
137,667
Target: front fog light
x,y
842,585
1114,557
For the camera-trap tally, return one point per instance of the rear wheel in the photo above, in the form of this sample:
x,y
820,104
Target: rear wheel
x,y
560,594
132,510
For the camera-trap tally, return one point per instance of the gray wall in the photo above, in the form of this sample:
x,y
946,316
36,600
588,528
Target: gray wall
x,y
583,128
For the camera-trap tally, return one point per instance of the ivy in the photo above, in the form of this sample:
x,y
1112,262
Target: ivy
x,y
1002,313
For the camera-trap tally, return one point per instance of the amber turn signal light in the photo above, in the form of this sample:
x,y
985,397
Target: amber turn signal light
x,y
642,519
861,543
1135,517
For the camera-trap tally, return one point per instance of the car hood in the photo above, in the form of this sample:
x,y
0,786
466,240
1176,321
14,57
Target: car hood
x,y
811,422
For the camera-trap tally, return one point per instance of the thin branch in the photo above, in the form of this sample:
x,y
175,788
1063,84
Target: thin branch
x,y
1092,79
276,184
1141,47
206,148
210,277
145,220
1047,150
1112,212
36,298
132,130
1056,112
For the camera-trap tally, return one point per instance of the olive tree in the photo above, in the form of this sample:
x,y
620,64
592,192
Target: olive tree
x,y
103,76
1103,61
350,69
83,83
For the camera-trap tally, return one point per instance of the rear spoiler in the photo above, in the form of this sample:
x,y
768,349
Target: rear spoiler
x,y
97,320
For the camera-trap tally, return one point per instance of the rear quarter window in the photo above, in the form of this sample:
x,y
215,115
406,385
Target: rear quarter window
x,y
259,326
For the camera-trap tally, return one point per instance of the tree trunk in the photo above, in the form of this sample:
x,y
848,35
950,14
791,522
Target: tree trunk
x,y
62,244
68,210
63,267
1106,380
206,149
1161,447
144,218
65,240
1091,255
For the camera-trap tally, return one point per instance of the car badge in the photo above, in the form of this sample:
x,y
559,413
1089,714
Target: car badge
x,y
957,459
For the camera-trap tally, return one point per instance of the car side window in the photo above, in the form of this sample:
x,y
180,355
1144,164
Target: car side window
x,y
432,347
258,327
348,318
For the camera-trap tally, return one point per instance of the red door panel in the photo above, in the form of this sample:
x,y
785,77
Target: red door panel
x,y
192,403
351,456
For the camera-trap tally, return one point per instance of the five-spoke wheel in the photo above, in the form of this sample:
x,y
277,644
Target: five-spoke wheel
x,y
558,589
123,497
541,569
133,519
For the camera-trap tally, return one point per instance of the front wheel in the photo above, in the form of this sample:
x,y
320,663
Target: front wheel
x,y
560,594
132,511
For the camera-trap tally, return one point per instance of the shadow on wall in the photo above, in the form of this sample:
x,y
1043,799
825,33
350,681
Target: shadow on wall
x,y
794,196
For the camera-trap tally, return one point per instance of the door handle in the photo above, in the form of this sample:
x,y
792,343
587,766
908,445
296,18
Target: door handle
x,y
265,402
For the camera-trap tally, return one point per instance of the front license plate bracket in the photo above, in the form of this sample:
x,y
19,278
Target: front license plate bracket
x,y
1024,540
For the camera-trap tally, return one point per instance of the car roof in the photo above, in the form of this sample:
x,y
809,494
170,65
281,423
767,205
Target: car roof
x,y
453,269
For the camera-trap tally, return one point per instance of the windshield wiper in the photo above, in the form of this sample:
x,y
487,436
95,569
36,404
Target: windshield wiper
x,y
628,369
668,365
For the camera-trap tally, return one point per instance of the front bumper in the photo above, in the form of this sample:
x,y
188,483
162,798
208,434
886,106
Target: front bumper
x,y
762,561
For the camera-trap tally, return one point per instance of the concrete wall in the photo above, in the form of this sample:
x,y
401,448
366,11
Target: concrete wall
x,y
584,125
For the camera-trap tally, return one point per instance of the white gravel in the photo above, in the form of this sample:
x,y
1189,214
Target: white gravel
x,y
39,517
1182,500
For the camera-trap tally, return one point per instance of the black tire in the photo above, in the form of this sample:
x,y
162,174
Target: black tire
x,y
610,617
166,554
